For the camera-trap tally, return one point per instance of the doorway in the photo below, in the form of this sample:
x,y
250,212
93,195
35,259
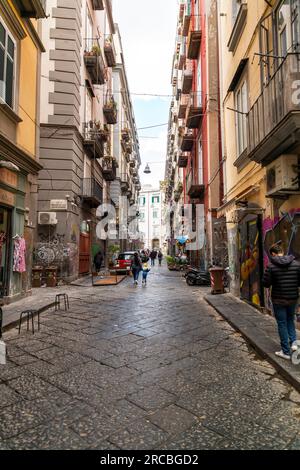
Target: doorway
x,y
85,253
5,249
250,254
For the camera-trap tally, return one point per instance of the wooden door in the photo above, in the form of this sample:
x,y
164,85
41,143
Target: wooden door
x,y
84,254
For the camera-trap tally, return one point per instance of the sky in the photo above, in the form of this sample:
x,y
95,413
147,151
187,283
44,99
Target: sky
x,y
148,31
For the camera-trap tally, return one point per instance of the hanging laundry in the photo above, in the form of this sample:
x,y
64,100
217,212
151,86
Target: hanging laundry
x,y
19,255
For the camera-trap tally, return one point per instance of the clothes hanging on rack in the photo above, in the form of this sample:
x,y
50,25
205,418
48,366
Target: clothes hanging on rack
x,y
19,255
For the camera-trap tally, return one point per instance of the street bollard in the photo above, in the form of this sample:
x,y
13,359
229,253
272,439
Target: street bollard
x,y
217,280
2,344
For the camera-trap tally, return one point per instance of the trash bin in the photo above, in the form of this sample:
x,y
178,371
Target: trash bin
x,y
37,276
217,280
51,276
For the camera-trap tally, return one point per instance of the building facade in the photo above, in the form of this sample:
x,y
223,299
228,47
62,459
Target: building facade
x,y
260,73
80,132
20,65
193,177
150,218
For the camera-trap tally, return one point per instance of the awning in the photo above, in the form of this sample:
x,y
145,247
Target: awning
x,y
182,239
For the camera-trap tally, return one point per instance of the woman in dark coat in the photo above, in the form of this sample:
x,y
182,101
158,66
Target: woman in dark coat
x,y
98,260
136,267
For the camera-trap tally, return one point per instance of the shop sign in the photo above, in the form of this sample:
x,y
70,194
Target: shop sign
x,y
58,205
8,177
7,198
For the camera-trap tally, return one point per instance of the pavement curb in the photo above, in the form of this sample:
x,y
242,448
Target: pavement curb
x,y
259,341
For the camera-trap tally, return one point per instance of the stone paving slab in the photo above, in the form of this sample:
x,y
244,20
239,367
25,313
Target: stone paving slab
x,y
142,368
260,330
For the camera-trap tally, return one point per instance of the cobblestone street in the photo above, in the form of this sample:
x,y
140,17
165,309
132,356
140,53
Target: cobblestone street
x,y
142,368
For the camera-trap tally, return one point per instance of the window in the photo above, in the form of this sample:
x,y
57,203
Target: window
x,y
88,31
287,19
88,106
241,105
7,61
155,199
235,9
142,201
155,214
142,217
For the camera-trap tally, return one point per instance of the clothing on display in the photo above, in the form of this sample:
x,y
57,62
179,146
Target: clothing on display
x,y
2,242
19,254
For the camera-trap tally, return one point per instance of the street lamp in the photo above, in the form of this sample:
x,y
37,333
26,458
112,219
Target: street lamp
x,y
147,169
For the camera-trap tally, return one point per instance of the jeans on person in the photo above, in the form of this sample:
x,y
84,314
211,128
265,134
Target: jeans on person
x,y
145,274
136,274
152,261
285,317
159,260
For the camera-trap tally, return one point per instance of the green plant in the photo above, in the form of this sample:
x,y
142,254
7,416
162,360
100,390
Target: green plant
x,y
170,259
96,50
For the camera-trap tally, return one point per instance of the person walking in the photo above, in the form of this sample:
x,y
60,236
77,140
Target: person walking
x,y
146,269
98,260
153,257
136,266
160,257
283,276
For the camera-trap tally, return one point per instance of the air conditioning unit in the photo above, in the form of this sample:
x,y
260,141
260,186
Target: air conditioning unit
x,y
47,218
283,175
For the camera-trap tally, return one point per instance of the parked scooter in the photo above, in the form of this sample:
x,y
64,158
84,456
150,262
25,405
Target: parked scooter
x,y
196,277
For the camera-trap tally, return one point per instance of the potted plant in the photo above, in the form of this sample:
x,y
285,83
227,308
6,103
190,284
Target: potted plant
x,y
96,50
113,250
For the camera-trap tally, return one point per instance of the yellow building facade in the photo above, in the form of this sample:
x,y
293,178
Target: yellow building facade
x,y
260,96
20,56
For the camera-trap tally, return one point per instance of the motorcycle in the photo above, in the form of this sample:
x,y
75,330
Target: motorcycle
x,y
196,277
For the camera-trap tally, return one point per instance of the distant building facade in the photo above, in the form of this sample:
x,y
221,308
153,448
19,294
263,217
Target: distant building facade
x,y
150,217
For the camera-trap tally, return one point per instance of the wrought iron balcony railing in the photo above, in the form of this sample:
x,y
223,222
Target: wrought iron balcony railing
x,y
92,192
273,122
94,61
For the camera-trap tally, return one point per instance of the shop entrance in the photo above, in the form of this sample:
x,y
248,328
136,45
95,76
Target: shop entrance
x,y
5,249
250,253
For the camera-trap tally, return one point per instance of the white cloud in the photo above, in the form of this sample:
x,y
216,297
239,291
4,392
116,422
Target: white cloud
x,y
148,35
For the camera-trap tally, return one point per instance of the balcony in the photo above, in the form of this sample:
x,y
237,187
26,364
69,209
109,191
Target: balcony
x,y
195,190
124,182
92,192
94,137
110,110
32,8
126,134
98,4
194,113
187,142
109,166
273,122
94,62
132,162
187,81
184,101
181,62
186,24
182,161
194,42
109,51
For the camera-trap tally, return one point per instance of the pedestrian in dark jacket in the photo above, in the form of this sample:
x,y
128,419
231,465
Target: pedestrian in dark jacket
x,y
283,276
136,267
153,256
160,257
98,260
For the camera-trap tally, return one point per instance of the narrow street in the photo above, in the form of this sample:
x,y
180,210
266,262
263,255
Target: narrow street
x,y
141,368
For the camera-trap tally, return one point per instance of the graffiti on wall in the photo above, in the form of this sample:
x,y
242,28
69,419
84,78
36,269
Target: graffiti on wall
x,y
54,251
284,229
